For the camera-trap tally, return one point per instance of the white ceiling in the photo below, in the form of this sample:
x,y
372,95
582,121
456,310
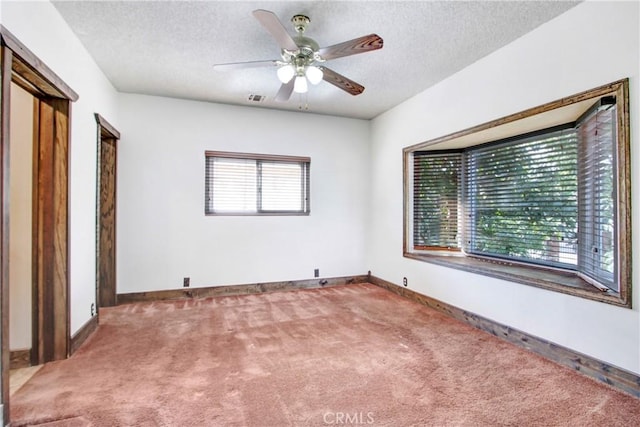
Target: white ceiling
x,y
168,48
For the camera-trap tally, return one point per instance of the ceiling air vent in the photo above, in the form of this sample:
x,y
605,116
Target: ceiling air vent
x,y
257,98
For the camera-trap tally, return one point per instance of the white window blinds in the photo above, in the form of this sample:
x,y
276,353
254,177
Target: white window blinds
x,y
233,185
436,195
597,171
251,184
522,199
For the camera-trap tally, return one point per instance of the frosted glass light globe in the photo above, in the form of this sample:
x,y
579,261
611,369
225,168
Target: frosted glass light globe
x,y
314,74
286,73
300,85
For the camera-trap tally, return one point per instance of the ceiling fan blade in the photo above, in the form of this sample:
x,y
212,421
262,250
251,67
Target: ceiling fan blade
x,y
285,91
352,47
250,64
271,22
340,81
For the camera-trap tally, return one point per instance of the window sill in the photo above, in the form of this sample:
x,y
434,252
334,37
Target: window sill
x,y
554,280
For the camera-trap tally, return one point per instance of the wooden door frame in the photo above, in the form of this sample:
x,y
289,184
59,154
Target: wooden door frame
x,y
105,132
51,200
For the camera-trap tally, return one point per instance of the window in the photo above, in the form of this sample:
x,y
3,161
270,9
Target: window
x,y
597,196
436,195
547,207
522,199
254,184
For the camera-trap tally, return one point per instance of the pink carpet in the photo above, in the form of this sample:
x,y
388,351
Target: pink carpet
x,y
346,355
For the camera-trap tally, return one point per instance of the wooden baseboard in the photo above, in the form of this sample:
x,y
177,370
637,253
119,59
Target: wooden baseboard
x,y
20,359
587,365
83,333
254,288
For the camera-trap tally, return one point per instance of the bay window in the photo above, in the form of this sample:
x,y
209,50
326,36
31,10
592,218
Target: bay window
x,y
548,207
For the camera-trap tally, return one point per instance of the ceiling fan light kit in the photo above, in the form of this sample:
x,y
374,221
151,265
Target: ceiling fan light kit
x,y
300,85
302,57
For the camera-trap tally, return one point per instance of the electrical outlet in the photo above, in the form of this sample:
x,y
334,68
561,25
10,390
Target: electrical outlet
x,y
185,282
405,282
316,272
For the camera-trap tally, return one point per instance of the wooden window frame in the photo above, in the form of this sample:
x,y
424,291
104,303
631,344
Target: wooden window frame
x,y
542,277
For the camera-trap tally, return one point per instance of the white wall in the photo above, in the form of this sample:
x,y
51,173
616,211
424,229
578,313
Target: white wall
x,y
162,231
40,27
20,206
588,46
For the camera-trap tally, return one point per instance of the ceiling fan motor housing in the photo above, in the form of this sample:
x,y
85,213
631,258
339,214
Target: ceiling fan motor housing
x,y
307,52
300,22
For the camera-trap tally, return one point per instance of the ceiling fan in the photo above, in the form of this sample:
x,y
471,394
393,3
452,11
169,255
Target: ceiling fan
x,y
302,57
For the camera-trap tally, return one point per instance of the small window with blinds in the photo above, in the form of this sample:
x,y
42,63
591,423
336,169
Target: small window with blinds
x,y
546,199
254,184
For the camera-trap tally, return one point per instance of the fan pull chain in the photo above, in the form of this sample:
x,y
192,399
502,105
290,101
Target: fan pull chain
x,y
303,98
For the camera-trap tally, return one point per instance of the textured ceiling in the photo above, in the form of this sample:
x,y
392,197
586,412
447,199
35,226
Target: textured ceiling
x,y
168,48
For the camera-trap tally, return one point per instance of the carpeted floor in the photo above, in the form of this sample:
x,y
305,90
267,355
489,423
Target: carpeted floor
x,y
346,355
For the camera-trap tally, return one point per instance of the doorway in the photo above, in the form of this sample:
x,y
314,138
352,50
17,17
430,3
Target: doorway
x,y
108,138
50,220
21,226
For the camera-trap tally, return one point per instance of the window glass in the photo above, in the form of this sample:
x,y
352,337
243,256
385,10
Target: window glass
x,y
522,199
597,224
436,194
282,186
234,185
252,184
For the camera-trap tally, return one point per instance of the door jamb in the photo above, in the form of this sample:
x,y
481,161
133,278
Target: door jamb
x,y
105,131
21,64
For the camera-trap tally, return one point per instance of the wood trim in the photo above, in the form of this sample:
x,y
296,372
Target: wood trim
x,y
106,191
26,85
106,209
33,70
62,300
35,281
556,280
625,236
257,156
6,58
106,129
20,359
407,200
254,288
42,199
83,334
51,239
587,365
437,248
